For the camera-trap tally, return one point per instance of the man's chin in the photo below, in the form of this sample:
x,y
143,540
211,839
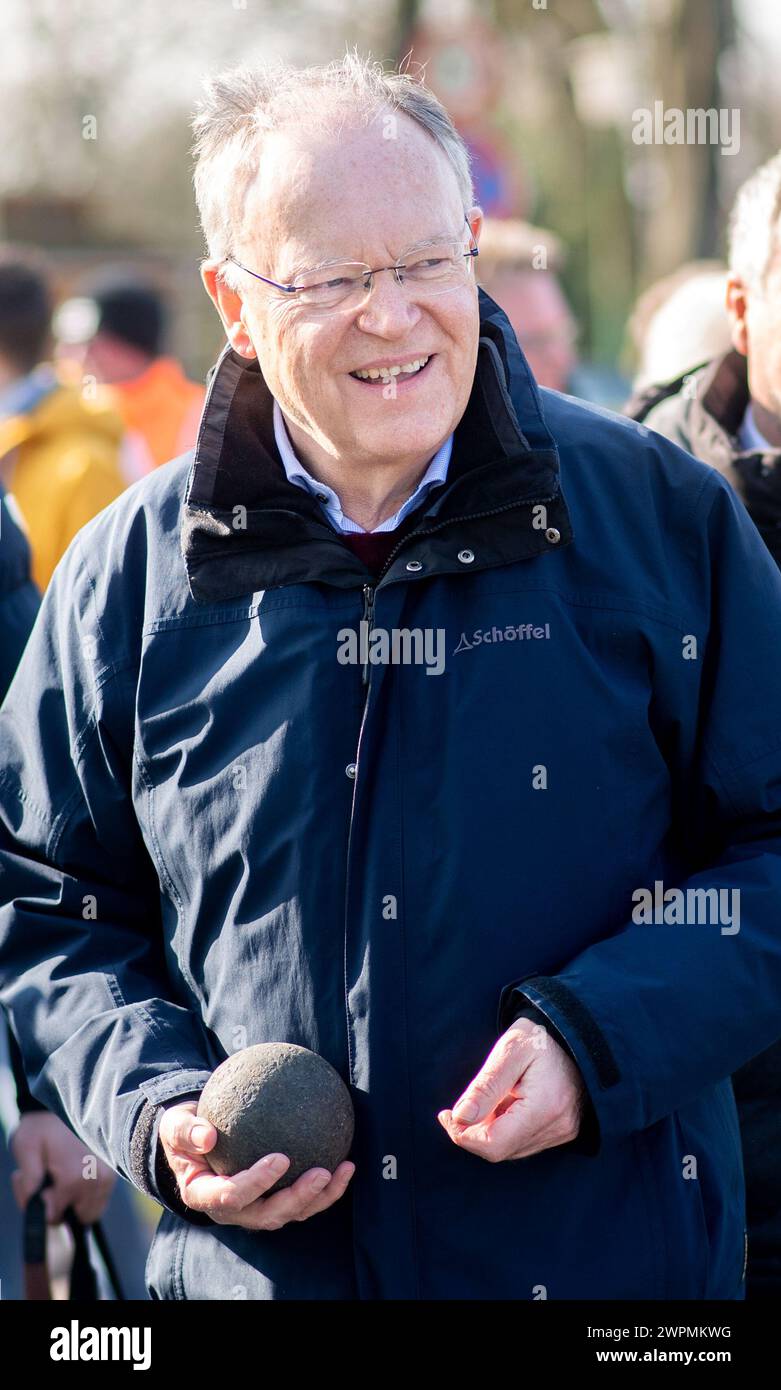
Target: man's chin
x,y
387,429
396,443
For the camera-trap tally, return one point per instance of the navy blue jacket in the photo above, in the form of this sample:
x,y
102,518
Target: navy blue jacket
x,y
213,832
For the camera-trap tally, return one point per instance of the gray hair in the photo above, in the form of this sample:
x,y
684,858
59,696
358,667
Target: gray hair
x,y
754,224
243,104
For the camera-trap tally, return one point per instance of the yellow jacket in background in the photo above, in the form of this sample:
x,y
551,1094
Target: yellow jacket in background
x,y
61,461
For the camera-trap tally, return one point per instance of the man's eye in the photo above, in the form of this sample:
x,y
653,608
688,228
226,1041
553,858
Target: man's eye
x,y
426,266
337,282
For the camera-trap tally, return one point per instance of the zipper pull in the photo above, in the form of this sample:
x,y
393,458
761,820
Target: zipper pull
x,y
366,626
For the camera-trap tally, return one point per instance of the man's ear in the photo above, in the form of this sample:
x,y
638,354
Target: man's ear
x,y
475,220
737,311
230,307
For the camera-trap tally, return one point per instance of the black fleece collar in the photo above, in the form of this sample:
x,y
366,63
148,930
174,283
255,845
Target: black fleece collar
x,y
245,527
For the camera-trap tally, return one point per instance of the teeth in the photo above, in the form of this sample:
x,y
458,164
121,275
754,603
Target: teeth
x,y
385,373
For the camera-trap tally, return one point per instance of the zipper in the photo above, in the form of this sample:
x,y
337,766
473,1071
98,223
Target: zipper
x,y
369,591
367,621
367,617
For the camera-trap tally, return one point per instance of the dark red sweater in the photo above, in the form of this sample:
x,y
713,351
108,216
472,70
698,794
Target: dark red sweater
x,y
372,547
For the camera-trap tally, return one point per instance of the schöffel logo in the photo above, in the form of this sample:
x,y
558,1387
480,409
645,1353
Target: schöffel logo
x,y
514,632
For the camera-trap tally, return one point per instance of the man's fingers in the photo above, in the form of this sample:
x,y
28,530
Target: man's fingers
x,y
56,1200
94,1197
314,1191
281,1207
499,1136
331,1193
223,1198
501,1070
540,1113
184,1132
238,1201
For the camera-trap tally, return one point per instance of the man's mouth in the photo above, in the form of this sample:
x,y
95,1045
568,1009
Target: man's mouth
x,y
383,375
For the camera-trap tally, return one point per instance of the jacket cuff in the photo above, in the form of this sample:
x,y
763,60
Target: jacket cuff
x,y
514,1005
149,1169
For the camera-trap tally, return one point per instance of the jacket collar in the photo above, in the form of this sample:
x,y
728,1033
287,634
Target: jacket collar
x,y
714,422
716,414
245,527
721,402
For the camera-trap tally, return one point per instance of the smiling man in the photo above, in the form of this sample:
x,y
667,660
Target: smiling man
x,y
333,352
214,832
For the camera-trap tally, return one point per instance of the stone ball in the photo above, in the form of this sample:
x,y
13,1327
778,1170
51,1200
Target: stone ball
x,y
277,1098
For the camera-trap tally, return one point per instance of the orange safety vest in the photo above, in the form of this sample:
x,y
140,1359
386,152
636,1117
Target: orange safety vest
x,y
161,410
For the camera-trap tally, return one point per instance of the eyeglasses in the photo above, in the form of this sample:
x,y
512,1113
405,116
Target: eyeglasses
x,y
431,267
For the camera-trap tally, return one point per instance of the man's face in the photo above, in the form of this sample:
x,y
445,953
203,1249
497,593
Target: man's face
x,y
357,197
109,359
535,305
756,332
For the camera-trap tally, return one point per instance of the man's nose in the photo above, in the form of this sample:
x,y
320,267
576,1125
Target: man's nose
x,y
390,310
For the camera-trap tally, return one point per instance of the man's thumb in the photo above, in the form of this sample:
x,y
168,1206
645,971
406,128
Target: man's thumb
x,y
472,1106
187,1132
203,1135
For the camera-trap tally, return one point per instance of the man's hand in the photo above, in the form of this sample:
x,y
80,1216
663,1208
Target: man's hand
x,y
41,1144
239,1200
526,1097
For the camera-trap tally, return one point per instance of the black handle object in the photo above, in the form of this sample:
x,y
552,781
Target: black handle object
x,y
84,1280
83,1277
36,1273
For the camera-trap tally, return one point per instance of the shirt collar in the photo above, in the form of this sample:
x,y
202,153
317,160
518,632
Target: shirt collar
x,y
750,436
434,476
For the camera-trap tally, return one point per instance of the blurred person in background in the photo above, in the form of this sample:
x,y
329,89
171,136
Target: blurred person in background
x,y
728,413
59,450
519,267
33,1142
117,333
680,322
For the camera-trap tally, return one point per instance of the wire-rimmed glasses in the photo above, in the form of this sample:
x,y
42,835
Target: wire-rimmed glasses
x,y
430,267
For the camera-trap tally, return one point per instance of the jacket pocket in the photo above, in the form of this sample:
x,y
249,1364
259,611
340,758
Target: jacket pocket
x,y
678,1213
708,1132
655,1232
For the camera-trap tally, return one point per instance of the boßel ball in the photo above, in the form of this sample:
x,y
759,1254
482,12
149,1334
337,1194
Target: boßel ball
x,y
277,1098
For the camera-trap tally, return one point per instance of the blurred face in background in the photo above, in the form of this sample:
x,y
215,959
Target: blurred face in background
x,y
355,196
541,317
109,359
755,314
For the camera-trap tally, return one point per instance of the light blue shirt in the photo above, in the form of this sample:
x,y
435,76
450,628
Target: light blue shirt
x,y
434,476
750,437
